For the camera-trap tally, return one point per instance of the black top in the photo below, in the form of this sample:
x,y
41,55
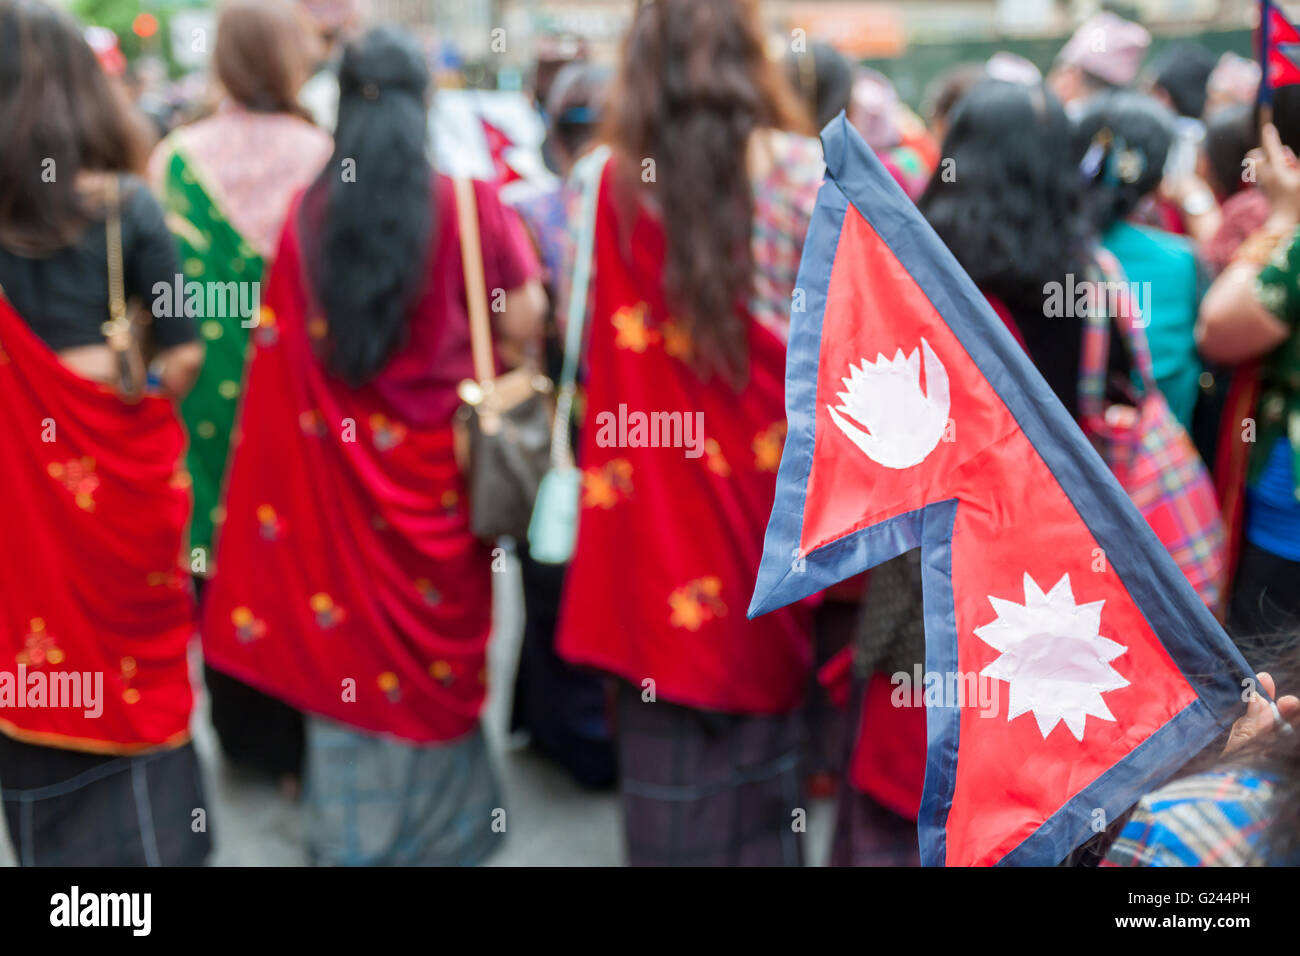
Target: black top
x,y
64,296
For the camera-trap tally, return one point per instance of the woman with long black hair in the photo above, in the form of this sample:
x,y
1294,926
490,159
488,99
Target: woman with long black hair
x,y
699,224
348,582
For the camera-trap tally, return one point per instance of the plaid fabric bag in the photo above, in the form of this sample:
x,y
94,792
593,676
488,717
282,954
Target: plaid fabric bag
x,y
1147,449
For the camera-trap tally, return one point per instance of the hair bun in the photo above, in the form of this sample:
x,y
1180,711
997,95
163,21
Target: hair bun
x,y
382,59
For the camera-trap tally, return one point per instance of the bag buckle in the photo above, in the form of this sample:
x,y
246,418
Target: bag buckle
x,y
117,332
472,392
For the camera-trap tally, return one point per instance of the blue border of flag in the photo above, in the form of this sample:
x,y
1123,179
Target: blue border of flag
x,y
1206,657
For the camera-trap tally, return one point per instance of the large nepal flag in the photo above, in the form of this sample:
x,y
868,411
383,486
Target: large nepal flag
x,y
916,420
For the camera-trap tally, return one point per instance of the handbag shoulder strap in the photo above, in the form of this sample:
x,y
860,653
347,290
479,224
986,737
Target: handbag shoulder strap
x,y
1110,287
113,234
1094,357
120,329
471,255
586,175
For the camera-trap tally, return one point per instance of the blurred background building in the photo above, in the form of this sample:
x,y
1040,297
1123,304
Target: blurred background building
x,y
494,43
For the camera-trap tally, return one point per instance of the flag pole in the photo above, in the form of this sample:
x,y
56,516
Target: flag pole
x,y
1265,95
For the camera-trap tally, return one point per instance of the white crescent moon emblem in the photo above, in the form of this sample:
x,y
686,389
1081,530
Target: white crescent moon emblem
x,y
884,412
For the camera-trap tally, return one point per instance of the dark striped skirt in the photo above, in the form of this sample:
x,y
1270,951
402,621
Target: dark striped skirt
x,y
707,789
67,808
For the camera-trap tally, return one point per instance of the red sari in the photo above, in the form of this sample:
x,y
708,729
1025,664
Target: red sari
x,y
347,583
669,545
93,519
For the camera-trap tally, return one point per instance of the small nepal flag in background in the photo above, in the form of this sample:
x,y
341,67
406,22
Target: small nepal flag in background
x,y
915,420
1278,46
499,145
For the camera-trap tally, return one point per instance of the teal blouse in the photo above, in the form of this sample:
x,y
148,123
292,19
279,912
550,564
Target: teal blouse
x,y
1164,277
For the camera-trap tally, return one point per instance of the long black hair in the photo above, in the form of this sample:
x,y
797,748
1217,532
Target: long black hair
x,y
1005,201
1129,135
1230,133
1008,211
368,218
693,84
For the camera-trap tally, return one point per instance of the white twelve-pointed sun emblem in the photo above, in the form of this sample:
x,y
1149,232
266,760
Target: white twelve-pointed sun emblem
x,y
1053,656
883,411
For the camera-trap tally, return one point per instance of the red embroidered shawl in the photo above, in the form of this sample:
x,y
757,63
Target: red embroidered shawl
x,y
92,588
347,581
668,544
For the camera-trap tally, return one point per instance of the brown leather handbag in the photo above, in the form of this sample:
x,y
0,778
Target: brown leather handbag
x,y
503,427
122,332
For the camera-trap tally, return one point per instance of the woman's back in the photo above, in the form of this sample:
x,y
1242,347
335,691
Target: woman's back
x,y
252,162
698,234
95,499
63,294
786,171
682,467
226,182
345,470
349,584
422,375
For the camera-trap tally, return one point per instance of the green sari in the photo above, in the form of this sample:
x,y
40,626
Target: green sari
x,y
212,251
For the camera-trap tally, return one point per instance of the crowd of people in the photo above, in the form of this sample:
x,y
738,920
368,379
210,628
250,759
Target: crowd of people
x,y
286,484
